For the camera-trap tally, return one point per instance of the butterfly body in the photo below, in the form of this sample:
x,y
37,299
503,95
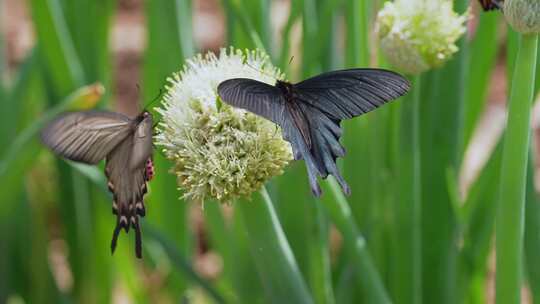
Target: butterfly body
x,y
126,146
300,120
310,112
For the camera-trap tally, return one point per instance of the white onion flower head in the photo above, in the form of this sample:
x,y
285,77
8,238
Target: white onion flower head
x,y
523,15
219,151
417,35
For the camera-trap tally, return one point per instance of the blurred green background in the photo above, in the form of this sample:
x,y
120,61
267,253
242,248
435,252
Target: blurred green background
x,y
371,247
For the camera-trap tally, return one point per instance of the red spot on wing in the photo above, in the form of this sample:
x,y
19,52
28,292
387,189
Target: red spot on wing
x,y
149,169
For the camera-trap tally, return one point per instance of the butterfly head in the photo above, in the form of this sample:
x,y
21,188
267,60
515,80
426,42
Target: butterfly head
x,y
285,87
145,115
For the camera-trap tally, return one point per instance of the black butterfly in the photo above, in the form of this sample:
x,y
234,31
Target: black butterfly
x,y
126,144
310,112
489,5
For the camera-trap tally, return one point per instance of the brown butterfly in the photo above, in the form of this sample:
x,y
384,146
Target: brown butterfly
x,y
489,5
125,144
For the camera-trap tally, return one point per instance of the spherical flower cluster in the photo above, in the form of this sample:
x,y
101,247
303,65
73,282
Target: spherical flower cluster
x,y
416,35
218,151
523,15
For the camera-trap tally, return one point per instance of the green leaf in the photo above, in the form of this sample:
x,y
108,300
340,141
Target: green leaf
x,y
510,215
56,46
532,231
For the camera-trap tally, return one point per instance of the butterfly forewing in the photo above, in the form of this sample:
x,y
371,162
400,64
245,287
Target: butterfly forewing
x,y
255,96
86,136
348,93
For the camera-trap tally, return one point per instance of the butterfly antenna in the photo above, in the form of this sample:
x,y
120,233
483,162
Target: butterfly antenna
x,y
287,68
158,97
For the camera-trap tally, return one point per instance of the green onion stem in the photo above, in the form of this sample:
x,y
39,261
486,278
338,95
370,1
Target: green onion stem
x,y
408,210
510,215
271,252
339,211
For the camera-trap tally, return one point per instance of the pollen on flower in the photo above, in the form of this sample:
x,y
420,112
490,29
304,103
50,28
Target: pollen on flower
x,y
219,152
417,35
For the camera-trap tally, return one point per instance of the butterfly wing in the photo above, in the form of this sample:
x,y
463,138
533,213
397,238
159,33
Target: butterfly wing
x,y
142,141
128,186
86,136
327,99
255,96
268,101
345,94
311,121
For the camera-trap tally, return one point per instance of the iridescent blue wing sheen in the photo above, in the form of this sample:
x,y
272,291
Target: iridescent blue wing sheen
x,y
348,93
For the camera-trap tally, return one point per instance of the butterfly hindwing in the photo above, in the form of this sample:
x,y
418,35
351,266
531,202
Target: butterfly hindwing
x,y
127,178
348,93
128,186
86,136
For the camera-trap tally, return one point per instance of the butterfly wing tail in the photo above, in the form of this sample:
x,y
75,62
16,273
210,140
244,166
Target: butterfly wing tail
x,y
114,240
138,238
328,163
326,147
122,223
313,172
330,149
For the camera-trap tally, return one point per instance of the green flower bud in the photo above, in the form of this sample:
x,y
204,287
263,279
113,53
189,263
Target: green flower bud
x,y
417,35
218,151
523,15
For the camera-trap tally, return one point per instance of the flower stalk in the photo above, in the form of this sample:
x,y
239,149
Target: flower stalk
x,y
409,202
272,253
510,215
339,211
